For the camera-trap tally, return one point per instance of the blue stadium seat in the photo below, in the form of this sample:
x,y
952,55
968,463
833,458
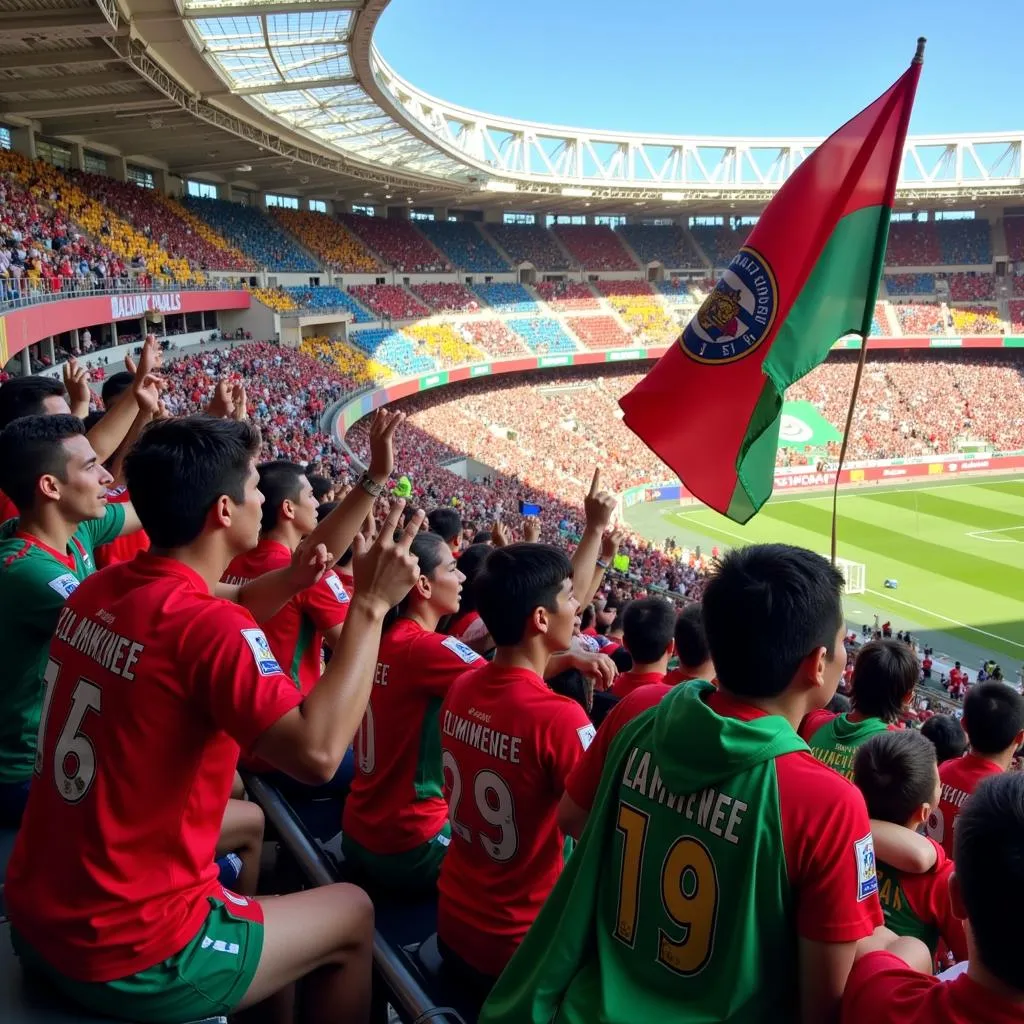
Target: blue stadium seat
x,y
507,298
543,334
393,349
25,999
464,245
328,297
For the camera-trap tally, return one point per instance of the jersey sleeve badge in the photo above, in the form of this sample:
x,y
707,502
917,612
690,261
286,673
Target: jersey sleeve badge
x,y
457,647
586,734
65,584
261,652
867,878
336,587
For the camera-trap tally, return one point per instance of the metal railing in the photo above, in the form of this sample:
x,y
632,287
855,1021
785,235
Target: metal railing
x,y
21,293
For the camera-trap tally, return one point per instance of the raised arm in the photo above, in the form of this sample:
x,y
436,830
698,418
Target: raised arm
x,y
598,507
108,434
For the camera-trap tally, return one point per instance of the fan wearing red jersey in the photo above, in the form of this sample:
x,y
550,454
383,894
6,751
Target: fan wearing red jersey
x,y
154,683
994,723
884,676
466,624
395,829
661,904
691,648
508,743
987,891
899,776
647,629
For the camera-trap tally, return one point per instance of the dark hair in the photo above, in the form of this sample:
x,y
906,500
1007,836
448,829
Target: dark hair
x,y
180,467
895,770
513,582
648,625
691,641
115,386
616,625
324,509
431,551
947,735
25,396
587,617
471,561
884,675
92,417
839,704
483,537
766,608
31,447
993,715
988,851
280,481
446,523
321,485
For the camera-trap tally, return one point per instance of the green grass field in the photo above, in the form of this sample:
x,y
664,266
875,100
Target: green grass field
x,y
957,550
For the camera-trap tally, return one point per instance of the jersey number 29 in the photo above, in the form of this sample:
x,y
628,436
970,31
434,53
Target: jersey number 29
x,y
493,800
74,757
689,895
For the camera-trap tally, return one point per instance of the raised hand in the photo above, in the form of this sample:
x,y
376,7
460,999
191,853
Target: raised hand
x,y
610,542
151,358
531,529
598,669
382,443
501,535
239,401
385,571
147,393
76,384
309,563
598,505
220,405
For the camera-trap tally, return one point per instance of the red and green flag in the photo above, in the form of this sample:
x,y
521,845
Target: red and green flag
x,y
808,274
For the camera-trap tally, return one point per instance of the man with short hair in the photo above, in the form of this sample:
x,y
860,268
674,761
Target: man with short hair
x,y
722,868
884,676
155,683
647,631
447,523
691,648
508,745
323,488
994,723
987,891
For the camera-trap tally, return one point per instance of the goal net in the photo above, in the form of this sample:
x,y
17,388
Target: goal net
x,y
853,574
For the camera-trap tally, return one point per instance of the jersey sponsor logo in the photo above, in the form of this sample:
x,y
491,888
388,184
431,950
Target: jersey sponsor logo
x,y
867,876
220,946
456,646
586,734
337,588
65,584
261,652
233,897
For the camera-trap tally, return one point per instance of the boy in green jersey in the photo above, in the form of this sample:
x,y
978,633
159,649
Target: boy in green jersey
x,y
723,873
899,776
884,676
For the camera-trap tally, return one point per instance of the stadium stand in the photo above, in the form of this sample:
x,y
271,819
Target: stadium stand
x,y
594,247
544,335
398,243
976,319
156,217
566,296
611,289
355,368
394,350
1017,315
252,231
920,317
328,296
448,297
971,287
666,244
910,284
599,331
1018,284
879,321
935,243
390,300
464,245
637,304
276,298
529,243
494,337
325,237
444,344
503,297
719,243
676,289
1013,228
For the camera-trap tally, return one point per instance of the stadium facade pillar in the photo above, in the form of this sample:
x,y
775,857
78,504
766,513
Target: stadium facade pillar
x,y
440,213
113,333
117,168
50,350
26,363
161,181
76,345
398,213
77,156
23,141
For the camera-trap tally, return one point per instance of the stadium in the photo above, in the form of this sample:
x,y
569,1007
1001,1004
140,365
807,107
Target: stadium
x,y
311,238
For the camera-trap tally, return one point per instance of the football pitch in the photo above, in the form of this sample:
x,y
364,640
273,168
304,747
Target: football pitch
x,y
955,549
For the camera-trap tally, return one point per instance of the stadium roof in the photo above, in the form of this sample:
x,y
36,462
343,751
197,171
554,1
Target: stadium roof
x,y
291,95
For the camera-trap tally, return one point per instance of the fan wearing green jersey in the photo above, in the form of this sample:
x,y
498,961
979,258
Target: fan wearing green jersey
x,y
884,676
723,873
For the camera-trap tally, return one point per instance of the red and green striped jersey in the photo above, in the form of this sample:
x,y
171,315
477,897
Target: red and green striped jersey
x,y
834,739
714,842
396,802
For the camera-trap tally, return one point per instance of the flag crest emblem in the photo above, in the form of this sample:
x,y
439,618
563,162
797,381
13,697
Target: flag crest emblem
x,y
738,313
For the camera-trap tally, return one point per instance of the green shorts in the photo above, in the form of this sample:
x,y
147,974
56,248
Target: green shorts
x,y
414,870
207,978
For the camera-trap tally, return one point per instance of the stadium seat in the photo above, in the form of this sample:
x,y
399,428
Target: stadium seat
x,y
26,999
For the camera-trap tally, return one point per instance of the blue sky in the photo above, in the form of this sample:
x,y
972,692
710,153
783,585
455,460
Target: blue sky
x,y
789,67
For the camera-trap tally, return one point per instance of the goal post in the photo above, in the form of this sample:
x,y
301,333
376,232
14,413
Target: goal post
x,y
853,575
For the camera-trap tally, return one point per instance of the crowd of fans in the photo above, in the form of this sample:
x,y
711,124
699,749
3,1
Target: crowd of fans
x,y
448,297
529,243
390,301
543,334
599,331
254,232
594,247
446,345
394,349
971,287
567,296
507,297
976,319
339,249
329,296
398,243
920,317
494,337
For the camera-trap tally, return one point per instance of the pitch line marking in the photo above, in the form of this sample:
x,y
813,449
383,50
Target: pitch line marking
x,y
983,535
937,615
